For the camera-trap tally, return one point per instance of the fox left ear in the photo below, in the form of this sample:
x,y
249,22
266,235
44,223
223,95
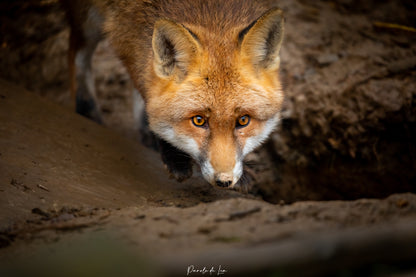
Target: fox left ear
x,y
174,48
261,40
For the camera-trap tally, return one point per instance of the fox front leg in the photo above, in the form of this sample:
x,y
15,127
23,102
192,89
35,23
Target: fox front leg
x,y
178,164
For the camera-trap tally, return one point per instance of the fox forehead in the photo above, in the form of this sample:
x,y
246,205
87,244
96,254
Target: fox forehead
x,y
212,93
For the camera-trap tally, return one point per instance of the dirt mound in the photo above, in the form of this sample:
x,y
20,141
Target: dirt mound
x,y
350,121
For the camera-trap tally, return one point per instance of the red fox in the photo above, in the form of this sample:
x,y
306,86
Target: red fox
x,y
206,69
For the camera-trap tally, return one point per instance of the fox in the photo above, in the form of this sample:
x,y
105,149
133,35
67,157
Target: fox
x,y
207,70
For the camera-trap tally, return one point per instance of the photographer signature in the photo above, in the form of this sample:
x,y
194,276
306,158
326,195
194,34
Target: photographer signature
x,y
206,270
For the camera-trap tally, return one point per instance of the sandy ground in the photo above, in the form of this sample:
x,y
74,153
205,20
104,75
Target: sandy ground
x,y
70,186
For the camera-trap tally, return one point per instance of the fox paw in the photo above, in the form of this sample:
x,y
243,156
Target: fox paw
x,y
179,174
177,163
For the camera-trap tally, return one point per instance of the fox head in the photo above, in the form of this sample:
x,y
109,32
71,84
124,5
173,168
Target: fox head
x,y
216,97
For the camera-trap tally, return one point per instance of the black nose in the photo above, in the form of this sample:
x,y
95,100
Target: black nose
x,y
223,184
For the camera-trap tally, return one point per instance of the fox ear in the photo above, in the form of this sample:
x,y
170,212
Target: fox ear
x,y
262,39
174,47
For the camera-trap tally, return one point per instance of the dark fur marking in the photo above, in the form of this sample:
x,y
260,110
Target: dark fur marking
x,y
245,31
178,163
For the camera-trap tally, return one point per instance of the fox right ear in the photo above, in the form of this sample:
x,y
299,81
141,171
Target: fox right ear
x,y
174,48
261,40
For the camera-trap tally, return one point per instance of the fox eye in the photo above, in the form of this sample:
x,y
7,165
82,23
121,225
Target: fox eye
x,y
243,121
198,121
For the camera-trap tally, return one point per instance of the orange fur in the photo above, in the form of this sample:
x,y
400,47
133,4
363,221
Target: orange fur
x,y
213,58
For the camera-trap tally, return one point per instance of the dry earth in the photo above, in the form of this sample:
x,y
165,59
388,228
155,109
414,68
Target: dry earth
x,y
85,198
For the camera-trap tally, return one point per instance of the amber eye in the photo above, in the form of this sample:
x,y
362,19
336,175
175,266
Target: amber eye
x,y
198,121
243,121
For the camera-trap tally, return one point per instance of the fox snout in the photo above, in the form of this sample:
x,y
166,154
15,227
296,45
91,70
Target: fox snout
x,y
224,180
221,178
223,167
